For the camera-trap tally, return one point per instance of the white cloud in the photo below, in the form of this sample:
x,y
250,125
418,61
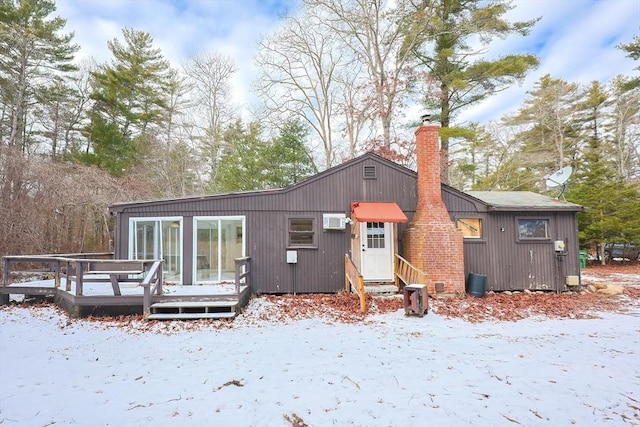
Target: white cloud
x,y
575,39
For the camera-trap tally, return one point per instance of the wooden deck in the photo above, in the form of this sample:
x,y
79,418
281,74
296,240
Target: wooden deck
x,y
106,287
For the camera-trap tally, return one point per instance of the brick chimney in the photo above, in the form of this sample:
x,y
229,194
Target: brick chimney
x,y
432,243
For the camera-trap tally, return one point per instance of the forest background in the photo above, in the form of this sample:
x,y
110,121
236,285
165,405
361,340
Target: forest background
x,y
335,79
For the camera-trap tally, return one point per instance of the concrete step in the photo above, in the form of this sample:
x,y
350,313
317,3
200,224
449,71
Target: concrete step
x,y
191,316
380,288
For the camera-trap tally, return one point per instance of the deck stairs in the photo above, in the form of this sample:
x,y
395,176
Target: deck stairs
x,y
205,309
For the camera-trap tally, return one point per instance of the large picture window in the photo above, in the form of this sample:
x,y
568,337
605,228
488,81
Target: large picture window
x,y
302,232
533,229
471,228
218,241
158,238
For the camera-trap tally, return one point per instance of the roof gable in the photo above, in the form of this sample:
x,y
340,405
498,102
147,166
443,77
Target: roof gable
x,y
367,157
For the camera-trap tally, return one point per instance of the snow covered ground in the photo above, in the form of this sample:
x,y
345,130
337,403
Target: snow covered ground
x,y
388,370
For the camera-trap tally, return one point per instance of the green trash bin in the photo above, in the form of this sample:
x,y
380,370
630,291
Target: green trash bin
x,y
583,258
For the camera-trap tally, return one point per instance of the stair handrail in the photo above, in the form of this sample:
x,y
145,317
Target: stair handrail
x,y
243,272
352,277
407,273
152,284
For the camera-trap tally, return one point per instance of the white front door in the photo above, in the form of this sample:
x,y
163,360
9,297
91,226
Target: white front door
x,y
377,251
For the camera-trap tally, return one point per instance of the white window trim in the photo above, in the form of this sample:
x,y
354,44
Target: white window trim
x,y
194,241
132,230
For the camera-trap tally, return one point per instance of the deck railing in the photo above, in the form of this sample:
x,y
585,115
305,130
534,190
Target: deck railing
x,y
78,268
407,274
243,273
152,285
44,264
352,277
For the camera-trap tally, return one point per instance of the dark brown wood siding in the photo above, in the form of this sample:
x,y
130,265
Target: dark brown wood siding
x,y
320,269
510,263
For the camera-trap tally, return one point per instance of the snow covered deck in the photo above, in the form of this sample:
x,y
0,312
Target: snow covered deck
x,y
85,287
98,298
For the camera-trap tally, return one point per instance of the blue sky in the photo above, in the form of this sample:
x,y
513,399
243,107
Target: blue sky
x,y
575,39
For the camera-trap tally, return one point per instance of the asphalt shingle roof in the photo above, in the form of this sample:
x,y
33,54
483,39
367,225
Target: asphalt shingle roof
x,y
521,200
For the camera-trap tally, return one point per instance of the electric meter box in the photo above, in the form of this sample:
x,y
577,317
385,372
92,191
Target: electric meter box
x,y
559,246
292,257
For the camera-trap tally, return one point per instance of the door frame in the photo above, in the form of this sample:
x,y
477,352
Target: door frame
x,y
389,249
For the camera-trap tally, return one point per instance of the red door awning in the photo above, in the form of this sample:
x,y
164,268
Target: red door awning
x,y
377,212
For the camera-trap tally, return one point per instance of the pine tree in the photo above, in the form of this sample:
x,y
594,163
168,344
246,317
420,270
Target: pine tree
x,y
241,165
461,72
250,162
612,205
291,163
130,96
549,137
32,52
633,51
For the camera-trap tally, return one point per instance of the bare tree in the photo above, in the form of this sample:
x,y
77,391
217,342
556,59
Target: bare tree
x,y
60,113
355,108
59,207
298,66
374,32
209,77
625,117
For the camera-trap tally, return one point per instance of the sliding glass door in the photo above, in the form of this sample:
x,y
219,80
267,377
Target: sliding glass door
x,y
217,242
158,238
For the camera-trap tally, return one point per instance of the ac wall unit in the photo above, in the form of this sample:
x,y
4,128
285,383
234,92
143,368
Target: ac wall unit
x,y
334,221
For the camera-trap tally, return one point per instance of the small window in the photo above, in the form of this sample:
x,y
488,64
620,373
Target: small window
x,y
375,235
531,229
471,227
301,232
369,172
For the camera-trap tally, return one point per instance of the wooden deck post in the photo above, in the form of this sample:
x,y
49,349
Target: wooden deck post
x,y
238,265
362,294
4,298
79,273
56,273
146,301
5,270
160,279
347,283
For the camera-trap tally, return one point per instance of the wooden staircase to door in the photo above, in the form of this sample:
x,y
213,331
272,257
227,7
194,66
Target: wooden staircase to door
x,y
404,274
